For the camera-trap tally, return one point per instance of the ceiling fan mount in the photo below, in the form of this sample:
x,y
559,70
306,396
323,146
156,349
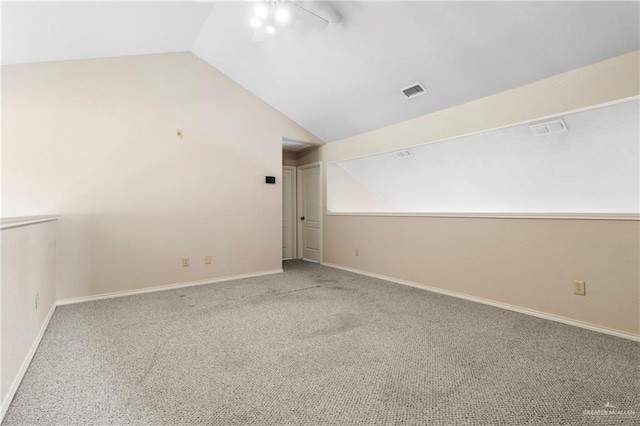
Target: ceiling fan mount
x,y
269,16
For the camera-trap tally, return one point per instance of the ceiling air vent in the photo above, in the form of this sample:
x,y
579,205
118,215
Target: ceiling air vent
x,y
405,153
548,127
414,90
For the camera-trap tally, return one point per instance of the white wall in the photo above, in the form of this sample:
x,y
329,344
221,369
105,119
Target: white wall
x,y
346,193
28,271
591,168
94,142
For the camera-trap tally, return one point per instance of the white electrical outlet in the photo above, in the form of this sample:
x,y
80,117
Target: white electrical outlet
x,y
185,261
207,260
357,252
580,288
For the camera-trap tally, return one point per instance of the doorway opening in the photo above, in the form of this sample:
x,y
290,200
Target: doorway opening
x,y
302,212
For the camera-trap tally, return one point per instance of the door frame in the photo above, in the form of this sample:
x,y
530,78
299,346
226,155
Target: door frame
x,y
299,242
294,207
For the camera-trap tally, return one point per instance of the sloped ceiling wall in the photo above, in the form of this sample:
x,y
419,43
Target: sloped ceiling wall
x,y
343,81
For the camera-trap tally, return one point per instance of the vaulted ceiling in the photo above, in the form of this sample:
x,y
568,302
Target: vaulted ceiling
x,y
344,80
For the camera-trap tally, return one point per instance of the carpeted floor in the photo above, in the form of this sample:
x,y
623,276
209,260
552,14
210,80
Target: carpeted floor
x,y
319,346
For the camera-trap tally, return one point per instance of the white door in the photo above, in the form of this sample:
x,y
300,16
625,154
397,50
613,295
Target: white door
x,y
310,213
288,212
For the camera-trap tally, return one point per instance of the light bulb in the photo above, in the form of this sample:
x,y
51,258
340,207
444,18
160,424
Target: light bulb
x,y
282,15
261,10
255,22
270,29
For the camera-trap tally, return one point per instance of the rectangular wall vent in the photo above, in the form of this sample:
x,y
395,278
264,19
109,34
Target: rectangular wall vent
x,y
414,90
405,153
548,127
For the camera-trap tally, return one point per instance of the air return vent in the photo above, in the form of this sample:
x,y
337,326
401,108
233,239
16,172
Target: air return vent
x,y
405,153
414,90
548,127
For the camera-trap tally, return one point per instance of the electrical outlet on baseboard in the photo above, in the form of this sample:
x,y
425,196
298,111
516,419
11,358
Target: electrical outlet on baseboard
x,y
357,252
185,261
580,288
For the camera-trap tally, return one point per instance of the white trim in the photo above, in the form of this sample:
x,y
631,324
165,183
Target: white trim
x,y
164,287
526,311
322,192
25,364
294,201
518,123
14,222
309,165
569,216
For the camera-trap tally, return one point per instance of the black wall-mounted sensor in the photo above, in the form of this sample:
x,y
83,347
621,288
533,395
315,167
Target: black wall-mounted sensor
x,y
270,179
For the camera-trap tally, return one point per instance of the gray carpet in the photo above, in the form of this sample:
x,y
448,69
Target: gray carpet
x,y
319,346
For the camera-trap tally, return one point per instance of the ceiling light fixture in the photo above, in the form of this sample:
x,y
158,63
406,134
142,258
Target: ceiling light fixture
x,y
255,22
261,10
282,15
268,13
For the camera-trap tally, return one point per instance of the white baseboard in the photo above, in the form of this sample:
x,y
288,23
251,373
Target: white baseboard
x,y
164,287
25,364
514,308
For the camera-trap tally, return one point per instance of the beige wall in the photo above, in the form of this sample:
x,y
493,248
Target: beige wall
x,y
300,158
94,141
529,263
28,269
350,194
289,158
308,156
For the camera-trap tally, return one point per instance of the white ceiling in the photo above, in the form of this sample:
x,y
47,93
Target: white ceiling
x,y
57,31
345,80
